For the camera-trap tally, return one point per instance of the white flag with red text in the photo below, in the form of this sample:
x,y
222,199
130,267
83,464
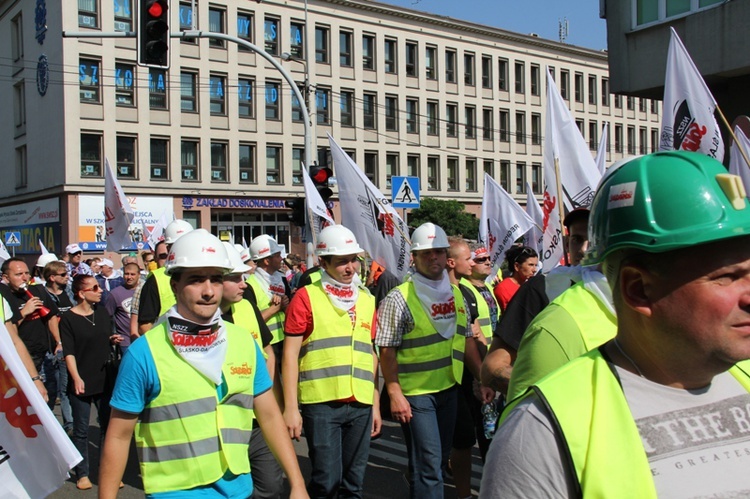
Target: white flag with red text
x,y
117,212
35,452
370,216
534,237
318,209
737,163
156,234
688,122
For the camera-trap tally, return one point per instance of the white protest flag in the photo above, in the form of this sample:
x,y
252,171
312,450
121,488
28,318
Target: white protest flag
x,y
578,171
370,216
146,233
688,122
157,233
502,221
4,255
36,454
43,248
534,237
737,164
601,152
117,212
316,205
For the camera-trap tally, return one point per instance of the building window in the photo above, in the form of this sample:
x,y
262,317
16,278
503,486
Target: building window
x,y
432,118
186,21
247,164
126,157
22,170
618,138
216,24
217,84
469,69
123,15
323,110
159,159
91,155
536,178
368,52
592,89
618,102
486,71
245,28
124,85
371,167
654,139
452,174
520,70
391,169
89,73
450,66
430,63
433,173
593,134
487,125
271,35
520,178
88,13
297,155
19,104
345,49
551,70
605,92
580,125
391,113
471,175
502,74
642,140
535,75
579,87
489,167
297,40
245,98
16,40
273,165
390,56
470,113
322,44
642,105
504,125
654,106
272,100
412,166
369,105
520,128
651,11
411,59
631,103
631,140
188,94
536,129
189,160
565,84
412,116
505,175
451,118
347,108
218,162
157,88
296,106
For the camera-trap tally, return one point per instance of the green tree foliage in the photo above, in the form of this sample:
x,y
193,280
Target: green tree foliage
x,y
449,215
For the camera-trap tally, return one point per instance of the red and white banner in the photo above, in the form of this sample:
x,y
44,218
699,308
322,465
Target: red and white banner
x,y
688,122
534,237
117,212
737,163
316,206
35,452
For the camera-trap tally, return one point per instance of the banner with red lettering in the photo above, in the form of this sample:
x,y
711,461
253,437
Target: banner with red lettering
x,y
117,212
35,452
688,122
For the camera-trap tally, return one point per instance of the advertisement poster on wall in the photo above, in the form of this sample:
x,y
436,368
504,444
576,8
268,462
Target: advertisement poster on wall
x,y
35,221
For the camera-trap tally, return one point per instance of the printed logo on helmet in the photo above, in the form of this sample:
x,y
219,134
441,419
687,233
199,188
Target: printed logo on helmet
x,y
432,236
321,245
208,249
349,241
264,250
621,195
171,257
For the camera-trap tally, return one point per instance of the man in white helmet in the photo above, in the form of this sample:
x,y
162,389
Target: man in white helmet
x,y
329,369
422,336
190,390
268,287
156,295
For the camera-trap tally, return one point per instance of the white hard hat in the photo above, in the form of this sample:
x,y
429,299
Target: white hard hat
x,y
429,236
238,267
176,229
263,246
43,260
337,240
197,249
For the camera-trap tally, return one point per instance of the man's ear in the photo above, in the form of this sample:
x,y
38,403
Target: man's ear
x,y
450,263
634,288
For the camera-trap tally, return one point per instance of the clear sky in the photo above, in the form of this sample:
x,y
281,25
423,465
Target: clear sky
x,y
585,28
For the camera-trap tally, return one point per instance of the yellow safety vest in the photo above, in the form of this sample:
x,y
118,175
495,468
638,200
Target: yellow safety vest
x,y
592,414
243,316
485,321
335,361
166,295
276,321
186,437
427,362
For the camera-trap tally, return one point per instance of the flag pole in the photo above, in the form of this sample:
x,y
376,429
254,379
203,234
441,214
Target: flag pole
x,y
734,137
561,203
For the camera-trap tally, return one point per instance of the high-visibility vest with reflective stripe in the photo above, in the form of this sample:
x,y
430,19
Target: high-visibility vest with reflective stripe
x,y
315,277
596,322
186,437
2,309
590,410
427,362
166,295
276,321
485,321
335,361
243,316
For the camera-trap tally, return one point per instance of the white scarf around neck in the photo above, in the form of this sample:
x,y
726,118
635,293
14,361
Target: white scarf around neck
x,y
438,302
203,346
272,284
342,296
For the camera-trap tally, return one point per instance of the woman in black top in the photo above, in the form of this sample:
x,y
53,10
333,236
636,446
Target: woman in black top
x,y
86,333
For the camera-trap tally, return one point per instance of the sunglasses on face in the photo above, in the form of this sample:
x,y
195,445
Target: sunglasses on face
x,y
62,274
482,260
95,288
162,256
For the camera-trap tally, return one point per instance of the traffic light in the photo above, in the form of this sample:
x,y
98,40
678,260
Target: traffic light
x,y
153,33
320,176
297,217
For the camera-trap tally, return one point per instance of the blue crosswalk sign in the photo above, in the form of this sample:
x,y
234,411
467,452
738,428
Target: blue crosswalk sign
x,y
12,239
405,192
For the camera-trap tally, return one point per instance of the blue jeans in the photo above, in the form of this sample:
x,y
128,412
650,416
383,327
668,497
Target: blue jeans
x,y
268,481
338,438
428,437
81,406
50,378
62,393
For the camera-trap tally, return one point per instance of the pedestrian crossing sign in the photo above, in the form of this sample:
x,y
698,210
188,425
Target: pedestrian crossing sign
x,y
12,239
405,192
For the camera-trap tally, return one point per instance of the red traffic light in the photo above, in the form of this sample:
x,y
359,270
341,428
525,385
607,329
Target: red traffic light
x,y
321,175
156,9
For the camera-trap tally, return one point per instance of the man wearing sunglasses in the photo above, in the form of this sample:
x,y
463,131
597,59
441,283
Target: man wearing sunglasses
x,y
76,265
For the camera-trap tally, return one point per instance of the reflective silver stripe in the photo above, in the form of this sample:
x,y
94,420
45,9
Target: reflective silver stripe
x,y
361,346
234,436
273,327
178,411
363,374
341,341
458,355
240,400
422,342
484,321
461,330
178,451
431,365
326,372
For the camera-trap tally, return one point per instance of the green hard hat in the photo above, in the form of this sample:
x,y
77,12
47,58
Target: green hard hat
x,y
665,201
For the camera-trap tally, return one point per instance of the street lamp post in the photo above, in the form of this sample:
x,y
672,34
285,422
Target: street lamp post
x,y
310,96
